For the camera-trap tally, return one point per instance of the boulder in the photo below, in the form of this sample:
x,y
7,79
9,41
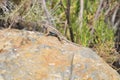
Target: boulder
x,y
28,55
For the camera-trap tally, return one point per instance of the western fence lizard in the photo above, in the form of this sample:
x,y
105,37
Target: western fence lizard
x,y
52,31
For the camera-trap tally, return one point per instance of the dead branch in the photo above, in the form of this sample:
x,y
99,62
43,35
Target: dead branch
x,y
68,20
81,12
47,13
99,10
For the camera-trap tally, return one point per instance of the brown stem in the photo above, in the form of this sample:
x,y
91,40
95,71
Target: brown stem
x,y
68,20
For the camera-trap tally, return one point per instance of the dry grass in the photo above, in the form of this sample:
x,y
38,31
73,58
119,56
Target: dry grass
x,y
108,53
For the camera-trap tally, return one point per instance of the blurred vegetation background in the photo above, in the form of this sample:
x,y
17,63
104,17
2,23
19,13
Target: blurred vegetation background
x,y
90,23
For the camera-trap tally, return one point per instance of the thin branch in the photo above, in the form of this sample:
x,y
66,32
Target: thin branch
x,y
111,11
68,11
61,3
68,20
49,17
30,9
116,24
66,25
98,10
114,15
57,6
81,12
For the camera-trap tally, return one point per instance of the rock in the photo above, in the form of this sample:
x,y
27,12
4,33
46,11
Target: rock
x,y
27,55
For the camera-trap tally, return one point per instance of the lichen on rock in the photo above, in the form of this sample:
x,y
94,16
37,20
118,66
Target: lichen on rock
x,y
28,55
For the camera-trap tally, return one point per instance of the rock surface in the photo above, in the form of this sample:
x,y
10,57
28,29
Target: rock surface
x,y
27,55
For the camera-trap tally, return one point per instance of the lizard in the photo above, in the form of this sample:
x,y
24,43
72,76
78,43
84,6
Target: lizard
x,y
52,31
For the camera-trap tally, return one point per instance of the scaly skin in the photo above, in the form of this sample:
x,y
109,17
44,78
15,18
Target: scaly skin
x,y
51,31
